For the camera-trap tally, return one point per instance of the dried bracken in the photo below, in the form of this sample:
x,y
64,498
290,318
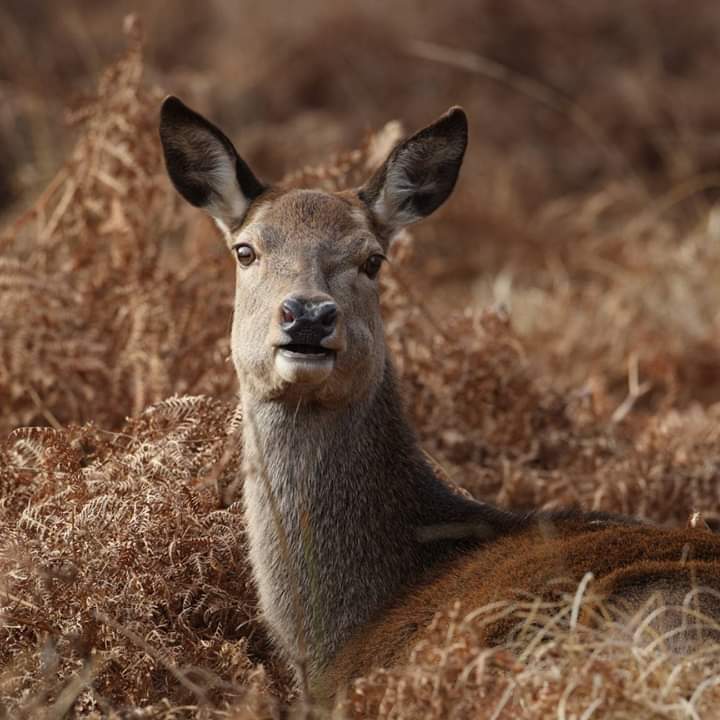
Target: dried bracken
x,y
94,290
118,563
592,381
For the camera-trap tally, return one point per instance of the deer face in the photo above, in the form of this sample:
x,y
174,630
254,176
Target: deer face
x,y
307,323
307,318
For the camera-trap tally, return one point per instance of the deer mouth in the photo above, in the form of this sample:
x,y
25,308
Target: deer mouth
x,y
303,364
302,351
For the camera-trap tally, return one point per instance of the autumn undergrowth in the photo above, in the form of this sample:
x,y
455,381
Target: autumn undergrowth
x,y
585,375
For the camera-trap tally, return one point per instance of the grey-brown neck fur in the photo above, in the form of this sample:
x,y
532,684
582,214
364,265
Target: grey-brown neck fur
x,y
362,517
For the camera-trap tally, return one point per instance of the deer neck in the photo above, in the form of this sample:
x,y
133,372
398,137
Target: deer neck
x,y
336,503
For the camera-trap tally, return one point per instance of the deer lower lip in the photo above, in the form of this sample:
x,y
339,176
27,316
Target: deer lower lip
x,y
304,364
298,351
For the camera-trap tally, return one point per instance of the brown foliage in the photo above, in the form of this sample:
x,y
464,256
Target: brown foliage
x,y
124,581
119,562
95,289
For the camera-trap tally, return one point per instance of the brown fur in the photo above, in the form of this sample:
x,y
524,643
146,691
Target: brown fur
x,y
544,562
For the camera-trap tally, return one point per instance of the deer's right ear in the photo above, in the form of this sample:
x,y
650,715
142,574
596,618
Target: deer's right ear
x,y
203,164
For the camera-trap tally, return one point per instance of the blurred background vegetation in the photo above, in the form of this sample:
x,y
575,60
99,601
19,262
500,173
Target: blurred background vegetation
x,y
593,125
567,101
562,97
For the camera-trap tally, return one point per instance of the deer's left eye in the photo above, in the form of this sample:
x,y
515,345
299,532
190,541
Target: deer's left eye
x,y
371,267
244,254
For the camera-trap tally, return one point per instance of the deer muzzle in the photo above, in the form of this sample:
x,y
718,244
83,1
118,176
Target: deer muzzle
x,y
307,353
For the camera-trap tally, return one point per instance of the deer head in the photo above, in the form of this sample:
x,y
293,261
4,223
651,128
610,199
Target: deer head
x,y
307,322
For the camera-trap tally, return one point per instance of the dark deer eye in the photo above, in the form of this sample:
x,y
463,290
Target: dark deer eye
x,y
371,267
245,254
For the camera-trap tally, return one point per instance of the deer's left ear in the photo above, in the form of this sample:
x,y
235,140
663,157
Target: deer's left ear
x,y
204,165
419,174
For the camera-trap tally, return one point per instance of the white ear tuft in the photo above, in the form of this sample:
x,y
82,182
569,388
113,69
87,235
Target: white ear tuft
x,y
226,200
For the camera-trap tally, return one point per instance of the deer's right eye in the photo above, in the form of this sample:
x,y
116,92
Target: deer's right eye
x,y
245,254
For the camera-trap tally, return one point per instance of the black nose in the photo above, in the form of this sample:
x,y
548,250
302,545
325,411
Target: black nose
x,y
307,322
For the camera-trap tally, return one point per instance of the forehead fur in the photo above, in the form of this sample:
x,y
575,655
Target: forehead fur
x,y
312,211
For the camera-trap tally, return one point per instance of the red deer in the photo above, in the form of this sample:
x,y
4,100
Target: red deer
x,y
354,541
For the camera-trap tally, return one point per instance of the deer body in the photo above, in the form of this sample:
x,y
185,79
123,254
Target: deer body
x,y
354,542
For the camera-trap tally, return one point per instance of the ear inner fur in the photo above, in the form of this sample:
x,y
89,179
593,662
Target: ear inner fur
x,y
204,165
419,174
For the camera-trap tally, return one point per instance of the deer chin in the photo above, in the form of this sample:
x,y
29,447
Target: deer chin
x,y
304,368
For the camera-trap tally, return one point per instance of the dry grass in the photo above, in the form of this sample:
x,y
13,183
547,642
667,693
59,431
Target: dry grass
x,y
551,668
592,381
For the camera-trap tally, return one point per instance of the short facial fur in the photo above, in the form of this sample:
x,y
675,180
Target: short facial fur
x,y
312,244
